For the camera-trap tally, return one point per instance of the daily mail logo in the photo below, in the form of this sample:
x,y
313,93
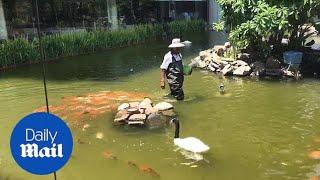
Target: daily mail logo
x,y
33,150
41,143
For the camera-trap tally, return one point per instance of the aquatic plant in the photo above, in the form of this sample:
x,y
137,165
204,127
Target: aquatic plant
x,y
21,51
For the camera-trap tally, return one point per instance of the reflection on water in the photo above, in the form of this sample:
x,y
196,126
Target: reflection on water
x,y
257,130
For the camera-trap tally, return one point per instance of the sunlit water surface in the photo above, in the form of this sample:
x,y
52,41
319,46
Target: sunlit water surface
x,y
258,130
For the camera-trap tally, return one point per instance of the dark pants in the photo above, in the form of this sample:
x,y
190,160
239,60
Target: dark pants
x,y
176,84
175,78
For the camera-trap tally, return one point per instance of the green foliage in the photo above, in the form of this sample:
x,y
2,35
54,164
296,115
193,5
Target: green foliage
x,y
257,24
20,51
177,28
219,26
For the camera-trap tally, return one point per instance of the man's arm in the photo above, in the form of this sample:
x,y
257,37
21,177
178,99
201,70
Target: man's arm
x,y
162,78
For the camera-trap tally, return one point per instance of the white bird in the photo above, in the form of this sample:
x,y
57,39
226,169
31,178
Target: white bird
x,y
190,144
187,43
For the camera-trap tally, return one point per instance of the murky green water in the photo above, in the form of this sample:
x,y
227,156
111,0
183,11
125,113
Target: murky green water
x,y
259,130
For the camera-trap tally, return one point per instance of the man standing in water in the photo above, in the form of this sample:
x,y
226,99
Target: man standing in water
x,y
172,69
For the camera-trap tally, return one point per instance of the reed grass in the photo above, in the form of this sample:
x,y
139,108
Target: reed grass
x,y
21,51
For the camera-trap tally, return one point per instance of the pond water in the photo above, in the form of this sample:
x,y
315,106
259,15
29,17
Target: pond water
x,y
258,130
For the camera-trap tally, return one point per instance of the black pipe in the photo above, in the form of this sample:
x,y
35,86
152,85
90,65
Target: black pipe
x,y
42,58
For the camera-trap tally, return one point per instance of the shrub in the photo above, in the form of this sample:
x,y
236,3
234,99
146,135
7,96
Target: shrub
x,y
14,52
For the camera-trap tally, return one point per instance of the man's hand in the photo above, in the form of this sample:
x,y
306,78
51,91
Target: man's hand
x,y
162,85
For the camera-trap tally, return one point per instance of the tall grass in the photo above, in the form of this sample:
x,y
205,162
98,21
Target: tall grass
x,y
21,51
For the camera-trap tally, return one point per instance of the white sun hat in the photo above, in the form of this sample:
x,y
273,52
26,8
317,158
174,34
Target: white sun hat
x,y
176,43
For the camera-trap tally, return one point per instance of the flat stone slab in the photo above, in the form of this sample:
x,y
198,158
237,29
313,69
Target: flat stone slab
x,y
134,104
133,111
123,106
138,117
163,106
136,122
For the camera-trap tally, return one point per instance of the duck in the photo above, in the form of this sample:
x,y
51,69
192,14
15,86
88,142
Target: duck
x,y
190,144
221,88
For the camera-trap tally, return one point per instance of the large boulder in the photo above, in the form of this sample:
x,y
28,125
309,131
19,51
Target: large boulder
x,y
155,121
242,71
227,70
163,106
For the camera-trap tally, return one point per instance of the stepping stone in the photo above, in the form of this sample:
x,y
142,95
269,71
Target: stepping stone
x,y
133,111
123,106
137,117
134,104
163,106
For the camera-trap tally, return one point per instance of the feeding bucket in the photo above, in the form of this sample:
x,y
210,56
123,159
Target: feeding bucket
x,y
292,57
187,70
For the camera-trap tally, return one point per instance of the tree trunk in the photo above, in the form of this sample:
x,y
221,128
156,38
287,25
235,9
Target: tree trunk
x,y
3,27
113,14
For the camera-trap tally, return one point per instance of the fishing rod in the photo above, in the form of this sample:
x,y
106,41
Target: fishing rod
x,y
42,58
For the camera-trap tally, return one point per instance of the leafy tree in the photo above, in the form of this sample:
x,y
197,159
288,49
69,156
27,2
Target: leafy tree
x,y
259,24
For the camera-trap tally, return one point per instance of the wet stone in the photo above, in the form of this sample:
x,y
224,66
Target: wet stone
x,y
133,111
134,104
137,117
123,106
163,106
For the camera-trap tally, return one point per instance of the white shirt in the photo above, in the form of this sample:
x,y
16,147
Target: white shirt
x,y
167,60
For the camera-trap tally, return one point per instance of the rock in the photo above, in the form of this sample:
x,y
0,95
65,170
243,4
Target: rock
x,y
224,63
239,63
227,70
146,103
123,106
163,106
219,50
155,120
202,64
204,54
227,45
121,117
133,111
151,110
169,113
272,63
242,71
244,57
215,65
212,69
136,122
134,104
137,117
